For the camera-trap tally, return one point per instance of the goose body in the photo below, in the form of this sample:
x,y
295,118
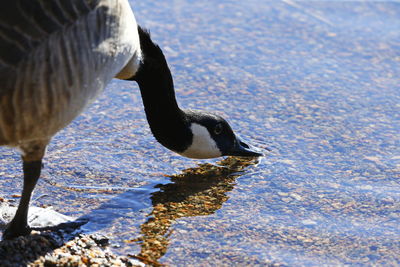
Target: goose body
x,y
57,56
54,68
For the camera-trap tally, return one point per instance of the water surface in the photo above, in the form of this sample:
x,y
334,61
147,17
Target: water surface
x,y
316,82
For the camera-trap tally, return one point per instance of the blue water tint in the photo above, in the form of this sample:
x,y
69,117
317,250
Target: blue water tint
x,y
316,82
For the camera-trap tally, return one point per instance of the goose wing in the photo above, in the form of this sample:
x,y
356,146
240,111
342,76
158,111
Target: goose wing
x,y
25,24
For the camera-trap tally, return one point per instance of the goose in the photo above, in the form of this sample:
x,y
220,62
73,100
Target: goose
x,y
57,56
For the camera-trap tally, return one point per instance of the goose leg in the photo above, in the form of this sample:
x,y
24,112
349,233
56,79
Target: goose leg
x,y
32,165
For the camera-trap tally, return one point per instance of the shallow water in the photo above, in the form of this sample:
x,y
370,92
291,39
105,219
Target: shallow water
x,y
316,82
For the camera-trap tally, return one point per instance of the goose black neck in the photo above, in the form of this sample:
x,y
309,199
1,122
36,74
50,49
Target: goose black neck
x,y
167,121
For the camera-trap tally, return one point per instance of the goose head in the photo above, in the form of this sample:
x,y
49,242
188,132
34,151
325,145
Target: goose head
x,y
212,136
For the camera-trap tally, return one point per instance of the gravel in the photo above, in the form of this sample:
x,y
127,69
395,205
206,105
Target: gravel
x,y
60,249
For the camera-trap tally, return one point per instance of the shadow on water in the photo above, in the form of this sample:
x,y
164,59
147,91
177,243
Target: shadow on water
x,y
197,191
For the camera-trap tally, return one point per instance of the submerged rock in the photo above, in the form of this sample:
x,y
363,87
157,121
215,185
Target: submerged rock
x,y
37,217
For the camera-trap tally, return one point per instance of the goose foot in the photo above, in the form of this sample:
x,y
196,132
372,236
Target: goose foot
x,y
14,230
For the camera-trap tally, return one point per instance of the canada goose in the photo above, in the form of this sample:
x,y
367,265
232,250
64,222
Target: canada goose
x,y
57,56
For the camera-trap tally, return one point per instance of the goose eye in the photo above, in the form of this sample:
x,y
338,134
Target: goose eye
x,y
218,129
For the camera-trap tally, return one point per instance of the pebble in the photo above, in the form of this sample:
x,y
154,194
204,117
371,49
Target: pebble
x,y
308,222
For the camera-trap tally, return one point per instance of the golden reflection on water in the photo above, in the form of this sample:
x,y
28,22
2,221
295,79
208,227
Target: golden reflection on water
x,y
196,191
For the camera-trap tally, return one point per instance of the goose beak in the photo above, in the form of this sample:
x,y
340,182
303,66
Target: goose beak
x,y
241,149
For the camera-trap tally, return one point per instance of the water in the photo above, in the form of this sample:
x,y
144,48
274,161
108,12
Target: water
x,y
316,82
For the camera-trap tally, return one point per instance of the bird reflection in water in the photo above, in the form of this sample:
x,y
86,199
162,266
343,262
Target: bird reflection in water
x,y
194,192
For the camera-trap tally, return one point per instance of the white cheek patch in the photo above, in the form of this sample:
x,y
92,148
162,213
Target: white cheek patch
x,y
203,146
